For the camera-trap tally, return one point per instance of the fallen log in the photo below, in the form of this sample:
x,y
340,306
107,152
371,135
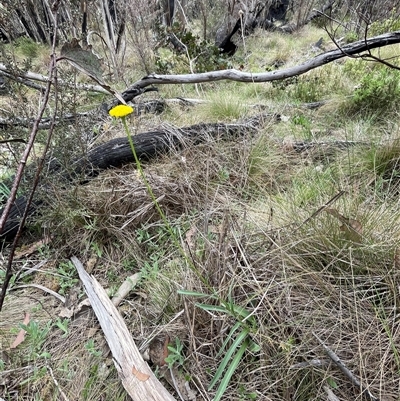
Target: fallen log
x,y
117,152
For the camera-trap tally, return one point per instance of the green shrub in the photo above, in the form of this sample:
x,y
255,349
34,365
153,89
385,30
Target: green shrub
x,y
350,37
378,92
27,47
388,25
355,68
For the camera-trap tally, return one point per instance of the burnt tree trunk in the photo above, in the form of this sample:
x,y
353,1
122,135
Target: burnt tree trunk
x,y
117,152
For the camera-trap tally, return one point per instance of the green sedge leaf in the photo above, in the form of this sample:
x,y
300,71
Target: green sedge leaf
x,y
227,357
231,370
211,308
227,339
196,294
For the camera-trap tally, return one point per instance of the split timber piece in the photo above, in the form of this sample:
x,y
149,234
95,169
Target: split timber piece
x,y
148,145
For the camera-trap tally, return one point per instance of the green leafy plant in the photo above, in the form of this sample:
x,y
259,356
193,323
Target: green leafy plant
x,y
350,37
96,248
150,268
307,89
175,357
304,122
245,395
378,92
300,88
236,343
67,276
35,337
63,326
91,348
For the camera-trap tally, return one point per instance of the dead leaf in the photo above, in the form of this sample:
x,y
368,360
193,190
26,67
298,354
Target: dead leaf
x,y
91,263
190,237
29,250
140,375
68,312
84,60
352,229
158,349
355,225
21,335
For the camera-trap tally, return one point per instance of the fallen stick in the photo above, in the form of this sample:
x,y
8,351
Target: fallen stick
x,y
136,376
345,370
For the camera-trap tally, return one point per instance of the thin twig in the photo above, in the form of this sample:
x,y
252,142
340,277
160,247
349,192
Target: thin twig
x,y
345,370
368,57
176,384
64,397
43,288
322,208
21,168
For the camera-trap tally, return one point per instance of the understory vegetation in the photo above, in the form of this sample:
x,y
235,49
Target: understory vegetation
x,y
276,243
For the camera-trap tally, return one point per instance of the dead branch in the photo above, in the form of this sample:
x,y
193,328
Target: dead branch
x,y
24,81
96,115
43,78
240,76
350,50
117,152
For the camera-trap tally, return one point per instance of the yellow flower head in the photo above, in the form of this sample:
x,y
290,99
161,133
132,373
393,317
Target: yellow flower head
x,y
120,111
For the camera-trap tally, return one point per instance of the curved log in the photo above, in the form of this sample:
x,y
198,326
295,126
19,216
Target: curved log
x,y
117,152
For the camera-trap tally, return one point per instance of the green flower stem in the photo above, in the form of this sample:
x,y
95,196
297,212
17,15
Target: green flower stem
x,y
157,206
142,175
